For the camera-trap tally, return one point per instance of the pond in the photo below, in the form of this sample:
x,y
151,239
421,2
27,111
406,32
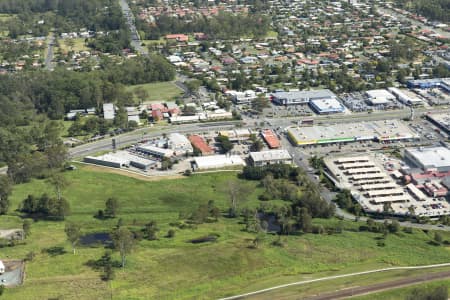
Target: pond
x,y
96,238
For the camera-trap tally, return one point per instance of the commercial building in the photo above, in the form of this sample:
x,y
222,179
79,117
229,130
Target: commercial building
x,y
327,106
108,111
442,121
429,159
381,131
245,97
155,151
430,83
180,144
406,97
200,144
300,97
270,157
217,162
107,160
237,134
271,139
368,182
187,119
121,159
379,97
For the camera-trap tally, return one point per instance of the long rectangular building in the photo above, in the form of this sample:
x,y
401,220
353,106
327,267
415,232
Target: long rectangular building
x,y
271,139
382,131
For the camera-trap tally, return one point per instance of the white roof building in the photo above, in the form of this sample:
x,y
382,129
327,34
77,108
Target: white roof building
x,y
379,97
270,157
217,161
180,143
108,111
430,158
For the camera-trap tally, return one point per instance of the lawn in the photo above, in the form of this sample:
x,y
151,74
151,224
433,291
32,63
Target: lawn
x,y
159,91
173,268
77,46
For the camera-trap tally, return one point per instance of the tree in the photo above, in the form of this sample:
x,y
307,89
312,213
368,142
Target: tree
x,y
225,143
304,220
237,193
2,289
59,182
26,226
193,85
394,226
141,94
73,232
256,146
438,237
150,230
108,271
111,207
123,242
260,103
5,191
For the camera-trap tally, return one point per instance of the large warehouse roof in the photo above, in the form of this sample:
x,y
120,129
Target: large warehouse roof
x,y
349,132
432,157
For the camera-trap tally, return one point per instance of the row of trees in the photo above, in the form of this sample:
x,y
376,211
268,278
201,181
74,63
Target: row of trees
x,y
222,26
432,9
55,93
64,16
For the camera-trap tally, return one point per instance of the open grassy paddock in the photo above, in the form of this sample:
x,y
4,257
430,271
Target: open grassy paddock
x,y
173,268
159,91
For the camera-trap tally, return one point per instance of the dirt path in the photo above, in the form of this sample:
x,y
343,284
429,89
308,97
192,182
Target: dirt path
x,y
349,292
130,174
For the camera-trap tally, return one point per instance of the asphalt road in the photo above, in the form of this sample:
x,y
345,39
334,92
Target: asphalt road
x,y
146,133
49,57
135,38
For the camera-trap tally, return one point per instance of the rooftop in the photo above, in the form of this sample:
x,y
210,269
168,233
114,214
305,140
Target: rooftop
x,y
435,157
270,155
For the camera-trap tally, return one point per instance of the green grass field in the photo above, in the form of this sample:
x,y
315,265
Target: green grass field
x,y
159,91
77,46
176,269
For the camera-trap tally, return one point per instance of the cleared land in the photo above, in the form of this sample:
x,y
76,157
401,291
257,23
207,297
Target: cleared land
x,y
158,91
173,268
76,44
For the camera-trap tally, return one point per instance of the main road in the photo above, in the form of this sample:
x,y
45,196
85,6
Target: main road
x,y
49,57
131,22
145,133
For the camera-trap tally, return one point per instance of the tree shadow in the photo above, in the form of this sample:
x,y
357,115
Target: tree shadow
x,y
55,251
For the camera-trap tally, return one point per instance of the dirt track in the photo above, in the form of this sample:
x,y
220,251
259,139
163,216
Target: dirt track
x,y
349,292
